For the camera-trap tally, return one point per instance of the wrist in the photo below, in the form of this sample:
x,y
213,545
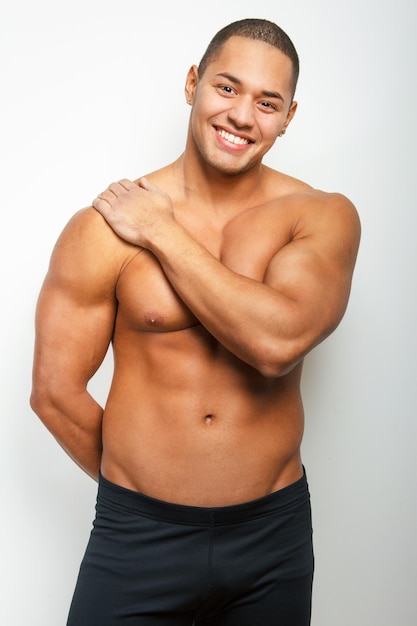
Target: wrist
x,y
165,236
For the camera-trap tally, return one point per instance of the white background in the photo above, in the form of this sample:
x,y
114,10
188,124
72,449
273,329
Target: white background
x,y
92,91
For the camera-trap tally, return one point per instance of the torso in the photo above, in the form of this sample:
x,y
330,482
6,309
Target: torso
x,y
186,421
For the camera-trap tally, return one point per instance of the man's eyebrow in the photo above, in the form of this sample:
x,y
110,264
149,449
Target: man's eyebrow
x,y
236,81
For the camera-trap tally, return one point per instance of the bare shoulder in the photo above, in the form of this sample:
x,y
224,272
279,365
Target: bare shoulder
x,y
330,218
299,194
315,265
310,211
304,212
302,201
88,254
318,200
321,249
89,233
310,227
88,223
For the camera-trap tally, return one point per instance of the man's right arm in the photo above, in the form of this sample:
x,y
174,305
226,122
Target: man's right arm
x,y
74,325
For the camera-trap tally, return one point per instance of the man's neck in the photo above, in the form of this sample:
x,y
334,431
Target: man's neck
x,y
222,192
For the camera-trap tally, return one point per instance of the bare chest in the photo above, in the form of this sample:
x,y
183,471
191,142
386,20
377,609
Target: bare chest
x,y
148,302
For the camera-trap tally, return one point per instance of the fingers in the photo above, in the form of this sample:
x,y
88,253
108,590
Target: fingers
x,y
126,184
113,191
104,201
121,186
146,184
101,205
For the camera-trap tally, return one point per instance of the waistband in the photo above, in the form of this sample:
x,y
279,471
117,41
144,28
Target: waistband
x,y
114,495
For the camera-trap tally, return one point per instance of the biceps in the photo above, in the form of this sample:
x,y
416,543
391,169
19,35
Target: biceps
x,y
72,337
316,286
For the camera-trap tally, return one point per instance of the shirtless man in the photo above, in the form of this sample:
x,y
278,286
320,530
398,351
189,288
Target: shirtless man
x,y
213,278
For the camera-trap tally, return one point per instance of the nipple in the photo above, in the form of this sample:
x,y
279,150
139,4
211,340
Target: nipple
x,y
154,319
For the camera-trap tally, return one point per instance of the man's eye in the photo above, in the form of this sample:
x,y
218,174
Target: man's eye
x,y
268,105
226,88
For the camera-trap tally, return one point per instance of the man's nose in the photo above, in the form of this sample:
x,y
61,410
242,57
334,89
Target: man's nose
x,y
242,113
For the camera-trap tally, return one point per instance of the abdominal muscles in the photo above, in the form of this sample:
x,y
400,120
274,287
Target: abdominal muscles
x,y
186,421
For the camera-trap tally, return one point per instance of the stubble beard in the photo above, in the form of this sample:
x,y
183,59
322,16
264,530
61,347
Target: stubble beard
x,y
223,167
211,159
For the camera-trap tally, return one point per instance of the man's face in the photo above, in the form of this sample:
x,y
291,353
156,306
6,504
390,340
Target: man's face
x,y
240,104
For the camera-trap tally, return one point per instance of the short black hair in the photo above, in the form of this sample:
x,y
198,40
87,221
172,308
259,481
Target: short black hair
x,y
260,30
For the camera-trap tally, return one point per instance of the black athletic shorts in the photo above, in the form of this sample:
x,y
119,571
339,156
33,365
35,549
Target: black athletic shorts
x,y
159,564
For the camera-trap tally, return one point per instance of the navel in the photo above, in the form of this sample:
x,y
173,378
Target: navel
x,y
208,418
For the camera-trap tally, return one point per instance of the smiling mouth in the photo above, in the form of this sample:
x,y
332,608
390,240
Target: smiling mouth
x,y
239,141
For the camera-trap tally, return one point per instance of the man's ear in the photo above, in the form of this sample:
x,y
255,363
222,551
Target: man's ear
x,y
290,114
191,84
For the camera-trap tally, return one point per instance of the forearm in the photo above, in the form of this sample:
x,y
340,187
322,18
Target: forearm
x,y
249,318
75,421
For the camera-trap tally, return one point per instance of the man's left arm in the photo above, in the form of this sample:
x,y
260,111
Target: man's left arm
x,y
270,325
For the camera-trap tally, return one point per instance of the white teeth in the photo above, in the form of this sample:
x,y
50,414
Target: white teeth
x,y
232,138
